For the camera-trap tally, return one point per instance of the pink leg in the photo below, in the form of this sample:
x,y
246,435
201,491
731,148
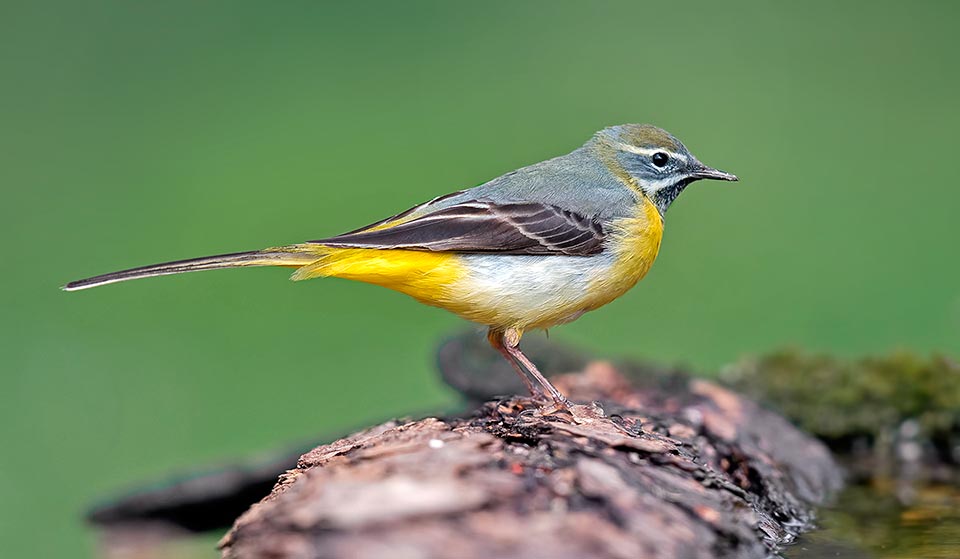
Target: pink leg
x,y
496,340
508,343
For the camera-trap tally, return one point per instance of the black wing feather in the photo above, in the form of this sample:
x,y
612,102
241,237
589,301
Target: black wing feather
x,y
482,226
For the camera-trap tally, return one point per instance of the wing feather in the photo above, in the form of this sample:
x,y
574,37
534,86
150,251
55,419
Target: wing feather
x,y
484,226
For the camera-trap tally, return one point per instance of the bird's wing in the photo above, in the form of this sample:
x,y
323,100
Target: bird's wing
x,y
483,226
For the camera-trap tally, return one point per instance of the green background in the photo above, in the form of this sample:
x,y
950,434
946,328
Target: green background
x,y
140,132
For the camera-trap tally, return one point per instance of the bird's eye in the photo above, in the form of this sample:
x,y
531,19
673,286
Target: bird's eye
x,y
660,159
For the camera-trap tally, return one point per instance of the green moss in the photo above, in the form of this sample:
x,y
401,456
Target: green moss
x,y
837,399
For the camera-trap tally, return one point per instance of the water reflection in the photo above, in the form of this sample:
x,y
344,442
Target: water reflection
x,y
871,522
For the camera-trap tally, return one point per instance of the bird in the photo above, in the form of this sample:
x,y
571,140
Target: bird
x,y
534,248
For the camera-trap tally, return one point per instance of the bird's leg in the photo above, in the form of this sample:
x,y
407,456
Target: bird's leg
x,y
514,350
496,340
511,347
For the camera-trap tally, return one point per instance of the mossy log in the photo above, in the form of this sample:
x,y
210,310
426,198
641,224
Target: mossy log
x,y
683,469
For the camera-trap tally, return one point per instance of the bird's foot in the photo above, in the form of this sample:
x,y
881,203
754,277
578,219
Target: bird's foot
x,y
567,410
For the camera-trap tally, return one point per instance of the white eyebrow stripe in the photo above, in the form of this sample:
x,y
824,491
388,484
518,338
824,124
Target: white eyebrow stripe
x,y
649,151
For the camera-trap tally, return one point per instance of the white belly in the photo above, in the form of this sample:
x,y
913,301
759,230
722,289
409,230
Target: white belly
x,y
530,291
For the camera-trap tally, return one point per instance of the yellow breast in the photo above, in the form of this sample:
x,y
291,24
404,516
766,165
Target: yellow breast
x,y
635,242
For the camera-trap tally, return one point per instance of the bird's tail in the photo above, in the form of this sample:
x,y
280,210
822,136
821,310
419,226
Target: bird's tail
x,y
293,256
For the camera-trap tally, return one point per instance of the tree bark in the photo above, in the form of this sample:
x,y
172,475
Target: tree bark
x,y
682,468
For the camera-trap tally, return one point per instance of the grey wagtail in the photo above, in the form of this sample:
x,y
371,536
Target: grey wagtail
x,y
531,249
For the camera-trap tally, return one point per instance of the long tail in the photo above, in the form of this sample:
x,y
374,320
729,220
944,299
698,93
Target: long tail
x,y
293,256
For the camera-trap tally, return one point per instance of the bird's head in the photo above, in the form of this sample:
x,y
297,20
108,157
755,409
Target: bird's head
x,y
652,159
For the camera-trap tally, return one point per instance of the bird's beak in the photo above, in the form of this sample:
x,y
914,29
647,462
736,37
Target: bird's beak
x,y
704,172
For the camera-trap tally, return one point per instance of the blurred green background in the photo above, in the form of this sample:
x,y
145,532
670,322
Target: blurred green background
x,y
140,132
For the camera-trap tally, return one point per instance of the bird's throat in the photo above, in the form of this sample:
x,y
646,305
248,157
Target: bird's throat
x,y
663,197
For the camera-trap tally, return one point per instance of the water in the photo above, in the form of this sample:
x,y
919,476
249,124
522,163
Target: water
x,y
871,522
